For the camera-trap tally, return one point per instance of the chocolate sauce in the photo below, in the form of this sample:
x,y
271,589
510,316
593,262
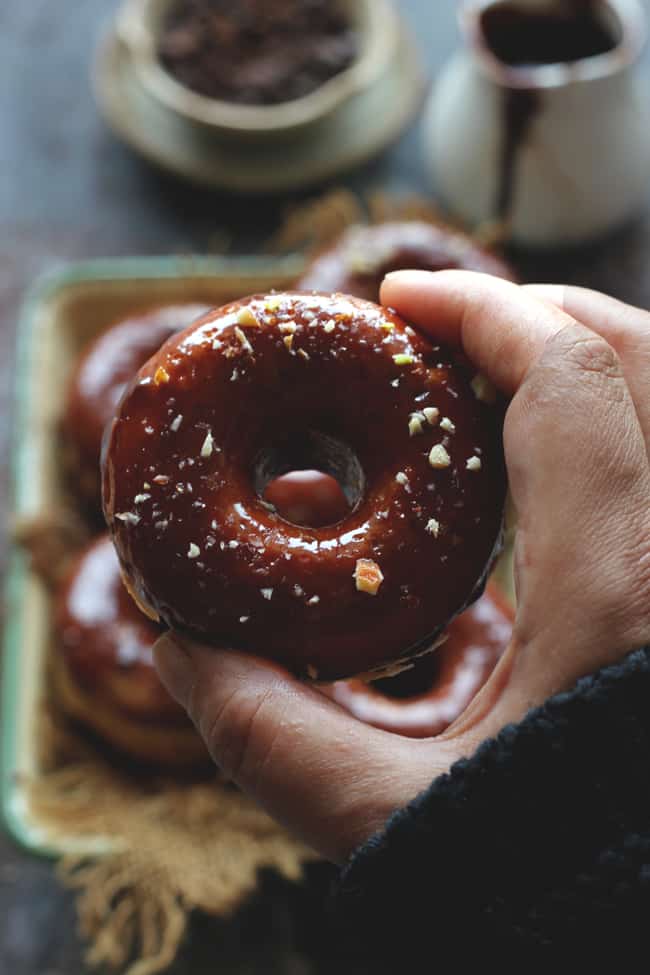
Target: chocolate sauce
x,y
567,32
519,108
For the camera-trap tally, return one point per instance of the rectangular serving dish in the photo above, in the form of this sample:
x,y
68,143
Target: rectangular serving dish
x,y
61,314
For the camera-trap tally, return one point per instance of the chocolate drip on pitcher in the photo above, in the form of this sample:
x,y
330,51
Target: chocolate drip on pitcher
x,y
563,34
519,108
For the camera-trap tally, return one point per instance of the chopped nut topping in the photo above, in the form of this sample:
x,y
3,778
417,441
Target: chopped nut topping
x,y
395,383
146,486
314,601
130,517
431,415
433,527
329,326
483,389
245,316
312,672
438,456
273,303
473,464
402,359
447,425
387,326
287,328
160,376
267,593
193,551
303,354
288,341
415,424
208,444
401,478
298,591
243,341
141,498
233,544
176,423
368,576
244,619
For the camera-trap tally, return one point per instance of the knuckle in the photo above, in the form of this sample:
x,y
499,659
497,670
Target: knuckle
x,y
232,730
586,352
577,368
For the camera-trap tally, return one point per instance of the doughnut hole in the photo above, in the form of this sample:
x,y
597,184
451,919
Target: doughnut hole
x,y
412,682
311,480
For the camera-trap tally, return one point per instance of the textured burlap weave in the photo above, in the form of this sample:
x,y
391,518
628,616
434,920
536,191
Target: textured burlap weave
x,y
173,848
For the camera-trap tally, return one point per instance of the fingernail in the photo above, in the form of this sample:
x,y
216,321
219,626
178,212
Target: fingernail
x,y
175,667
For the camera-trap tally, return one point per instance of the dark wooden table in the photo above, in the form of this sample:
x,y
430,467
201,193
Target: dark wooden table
x,y
69,190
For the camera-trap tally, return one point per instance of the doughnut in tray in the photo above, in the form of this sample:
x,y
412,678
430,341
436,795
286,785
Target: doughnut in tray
x,y
63,312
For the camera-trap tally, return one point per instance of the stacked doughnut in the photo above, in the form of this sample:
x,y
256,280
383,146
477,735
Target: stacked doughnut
x,y
360,259
102,666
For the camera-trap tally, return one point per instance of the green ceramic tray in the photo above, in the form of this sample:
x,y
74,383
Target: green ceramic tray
x,y
62,312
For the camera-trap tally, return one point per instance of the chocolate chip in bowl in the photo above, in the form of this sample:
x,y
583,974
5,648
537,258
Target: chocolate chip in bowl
x,y
257,67
256,52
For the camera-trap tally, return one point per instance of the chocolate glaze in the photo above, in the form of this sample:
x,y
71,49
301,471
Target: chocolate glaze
x,y
195,441
308,498
100,378
358,262
425,700
107,642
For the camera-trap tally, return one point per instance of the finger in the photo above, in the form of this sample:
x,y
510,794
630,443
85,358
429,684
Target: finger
x,y
502,329
627,329
330,779
580,483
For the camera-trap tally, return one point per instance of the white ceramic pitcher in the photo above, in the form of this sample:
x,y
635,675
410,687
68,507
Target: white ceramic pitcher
x,y
557,153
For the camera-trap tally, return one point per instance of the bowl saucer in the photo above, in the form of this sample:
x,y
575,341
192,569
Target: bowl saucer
x,y
356,132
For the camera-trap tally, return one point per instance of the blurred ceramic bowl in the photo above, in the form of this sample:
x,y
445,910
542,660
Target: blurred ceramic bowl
x,y
139,26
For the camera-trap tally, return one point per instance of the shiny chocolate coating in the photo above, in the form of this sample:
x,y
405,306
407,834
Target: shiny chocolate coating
x,y
425,700
107,642
278,382
308,498
101,375
359,261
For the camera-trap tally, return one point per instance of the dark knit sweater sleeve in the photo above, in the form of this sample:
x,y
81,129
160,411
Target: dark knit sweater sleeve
x,y
540,841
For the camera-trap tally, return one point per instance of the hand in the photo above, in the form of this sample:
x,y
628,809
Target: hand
x,y
577,433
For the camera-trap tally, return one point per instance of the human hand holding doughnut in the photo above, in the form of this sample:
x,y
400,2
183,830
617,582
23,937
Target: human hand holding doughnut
x,y
576,435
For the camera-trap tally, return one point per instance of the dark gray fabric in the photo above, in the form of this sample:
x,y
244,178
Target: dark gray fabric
x,y
539,842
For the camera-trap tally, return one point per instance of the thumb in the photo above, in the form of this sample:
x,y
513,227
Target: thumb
x,y
328,778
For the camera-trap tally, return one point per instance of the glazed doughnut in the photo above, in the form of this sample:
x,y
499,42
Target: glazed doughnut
x,y
99,379
281,382
358,262
103,671
425,700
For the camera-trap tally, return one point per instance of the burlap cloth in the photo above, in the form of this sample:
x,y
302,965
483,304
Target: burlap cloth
x,y
171,847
